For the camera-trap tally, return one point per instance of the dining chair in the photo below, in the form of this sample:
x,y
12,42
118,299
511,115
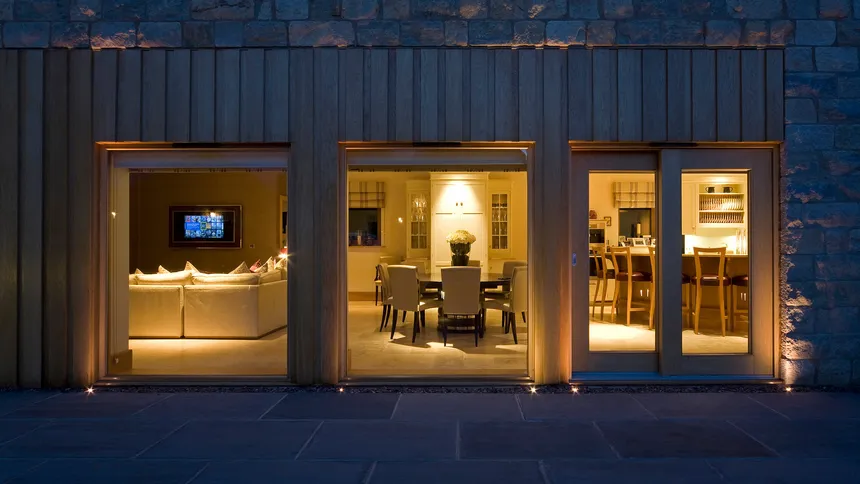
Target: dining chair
x,y
507,273
603,274
420,266
407,298
622,260
461,297
377,282
384,277
719,280
742,282
516,303
474,263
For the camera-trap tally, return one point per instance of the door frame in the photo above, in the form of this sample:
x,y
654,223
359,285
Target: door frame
x,y
138,155
671,363
386,156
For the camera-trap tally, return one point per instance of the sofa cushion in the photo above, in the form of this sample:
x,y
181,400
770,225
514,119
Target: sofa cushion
x,y
226,279
281,264
241,269
171,278
270,264
268,277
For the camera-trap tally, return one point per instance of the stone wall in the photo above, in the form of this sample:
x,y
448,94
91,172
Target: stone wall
x,y
820,173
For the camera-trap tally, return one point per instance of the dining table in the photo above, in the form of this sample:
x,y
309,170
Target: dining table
x,y
489,280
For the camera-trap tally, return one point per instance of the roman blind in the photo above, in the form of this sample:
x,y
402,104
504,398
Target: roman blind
x,y
364,194
634,194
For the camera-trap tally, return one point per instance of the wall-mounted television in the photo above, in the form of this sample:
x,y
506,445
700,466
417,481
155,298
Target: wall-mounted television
x,y
206,226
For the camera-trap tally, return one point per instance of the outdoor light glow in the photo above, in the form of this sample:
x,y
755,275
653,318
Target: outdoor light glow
x,y
574,389
340,390
533,389
788,389
90,391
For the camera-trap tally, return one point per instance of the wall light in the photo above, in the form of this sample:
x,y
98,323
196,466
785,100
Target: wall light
x,y
400,220
113,214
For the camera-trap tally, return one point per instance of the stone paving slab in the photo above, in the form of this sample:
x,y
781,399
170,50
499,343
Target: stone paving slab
x,y
681,438
705,405
234,440
82,405
324,406
11,401
531,440
212,406
663,471
292,472
583,407
812,405
450,407
495,472
112,471
12,429
383,441
96,438
788,471
10,468
807,438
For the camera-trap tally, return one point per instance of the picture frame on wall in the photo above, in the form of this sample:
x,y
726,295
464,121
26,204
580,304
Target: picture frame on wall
x,y
608,221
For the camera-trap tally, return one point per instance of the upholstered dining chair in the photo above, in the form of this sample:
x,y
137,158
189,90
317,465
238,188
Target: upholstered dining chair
x,y
719,280
516,303
405,296
742,283
622,259
461,297
385,282
507,273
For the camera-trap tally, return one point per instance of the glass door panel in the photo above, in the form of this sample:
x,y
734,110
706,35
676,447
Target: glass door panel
x,y
722,267
615,252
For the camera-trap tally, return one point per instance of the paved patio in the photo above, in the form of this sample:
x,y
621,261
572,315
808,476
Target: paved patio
x,y
418,438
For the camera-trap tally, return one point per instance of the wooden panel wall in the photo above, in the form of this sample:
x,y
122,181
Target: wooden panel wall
x,y
54,105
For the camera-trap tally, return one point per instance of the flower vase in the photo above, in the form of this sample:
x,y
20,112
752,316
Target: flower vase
x,y
460,254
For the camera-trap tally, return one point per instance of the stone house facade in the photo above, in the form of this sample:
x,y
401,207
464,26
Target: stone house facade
x,y
820,170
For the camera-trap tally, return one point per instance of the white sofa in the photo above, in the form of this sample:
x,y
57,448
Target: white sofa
x,y
207,305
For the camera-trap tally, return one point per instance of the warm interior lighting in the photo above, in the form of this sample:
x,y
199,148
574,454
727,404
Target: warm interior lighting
x,y
213,214
400,220
113,214
283,253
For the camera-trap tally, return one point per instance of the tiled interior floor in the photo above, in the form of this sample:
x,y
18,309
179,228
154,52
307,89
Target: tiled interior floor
x,y
372,352
265,356
605,335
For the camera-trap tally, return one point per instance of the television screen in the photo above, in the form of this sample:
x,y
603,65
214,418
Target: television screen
x,y
206,226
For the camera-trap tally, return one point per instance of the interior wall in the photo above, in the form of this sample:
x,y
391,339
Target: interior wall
x,y
602,199
153,193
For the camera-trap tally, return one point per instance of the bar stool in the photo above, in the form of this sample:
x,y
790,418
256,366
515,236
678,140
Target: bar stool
x,y
687,302
719,280
603,276
624,273
741,282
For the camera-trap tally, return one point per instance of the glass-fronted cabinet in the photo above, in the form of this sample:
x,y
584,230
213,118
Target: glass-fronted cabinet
x,y
500,218
418,196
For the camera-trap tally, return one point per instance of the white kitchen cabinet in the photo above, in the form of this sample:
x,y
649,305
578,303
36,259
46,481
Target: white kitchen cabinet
x,y
418,219
458,202
689,204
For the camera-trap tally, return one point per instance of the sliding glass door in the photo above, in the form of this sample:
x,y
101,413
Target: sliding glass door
x,y
673,255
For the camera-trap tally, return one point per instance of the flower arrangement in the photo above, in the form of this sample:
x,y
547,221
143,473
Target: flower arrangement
x,y
460,237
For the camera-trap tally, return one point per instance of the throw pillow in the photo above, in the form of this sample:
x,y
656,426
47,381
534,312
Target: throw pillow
x,y
190,267
270,264
242,269
138,272
162,270
255,266
261,269
282,264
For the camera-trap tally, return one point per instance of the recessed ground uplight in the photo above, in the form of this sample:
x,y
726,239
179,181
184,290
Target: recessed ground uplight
x,y
533,389
340,390
574,389
788,389
90,390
